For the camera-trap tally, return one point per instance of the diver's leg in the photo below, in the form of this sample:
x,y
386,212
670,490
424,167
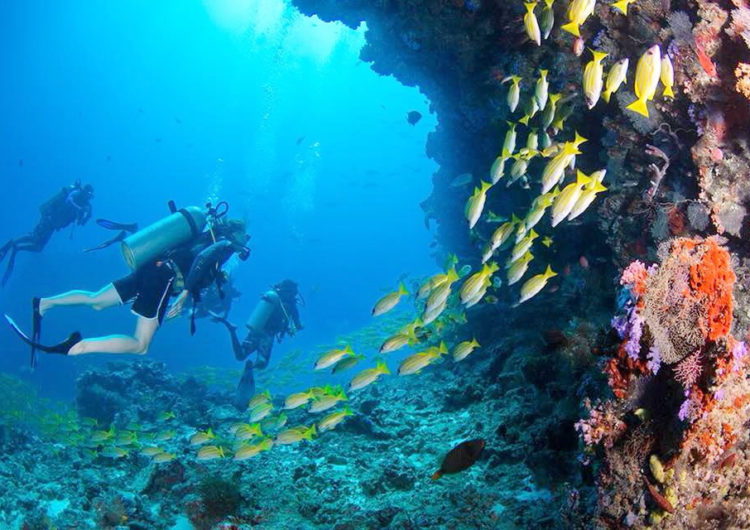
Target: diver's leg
x,y
240,352
33,242
265,345
246,387
139,343
241,349
101,299
29,244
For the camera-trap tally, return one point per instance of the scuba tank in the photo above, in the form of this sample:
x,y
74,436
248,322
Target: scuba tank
x,y
167,233
263,311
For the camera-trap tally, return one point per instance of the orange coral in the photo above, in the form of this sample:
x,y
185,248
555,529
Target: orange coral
x,y
620,369
711,280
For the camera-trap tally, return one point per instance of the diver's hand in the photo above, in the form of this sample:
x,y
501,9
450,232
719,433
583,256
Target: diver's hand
x,y
176,308
216,317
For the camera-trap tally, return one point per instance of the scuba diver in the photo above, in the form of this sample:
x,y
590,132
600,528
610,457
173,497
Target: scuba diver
x,y
71,204
216,298
275,316
175,256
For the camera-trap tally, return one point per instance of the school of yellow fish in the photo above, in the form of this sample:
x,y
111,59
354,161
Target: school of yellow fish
x,y
543,121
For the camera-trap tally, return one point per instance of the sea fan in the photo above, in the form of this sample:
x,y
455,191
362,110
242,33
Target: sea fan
x,y
698,216
689,370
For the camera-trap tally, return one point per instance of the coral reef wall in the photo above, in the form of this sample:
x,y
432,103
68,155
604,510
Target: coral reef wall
x,y
459,51
665,402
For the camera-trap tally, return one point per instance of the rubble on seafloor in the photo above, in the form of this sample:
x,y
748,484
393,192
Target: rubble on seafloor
x,y
373,471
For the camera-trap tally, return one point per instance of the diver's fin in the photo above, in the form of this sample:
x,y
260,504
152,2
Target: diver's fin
x,y
61,348
119,237
18,330
112,225
9,268
36,328
24,337
4,250
245,388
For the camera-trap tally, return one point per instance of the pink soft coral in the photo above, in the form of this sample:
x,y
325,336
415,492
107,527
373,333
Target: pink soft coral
x,y
635,276
689,370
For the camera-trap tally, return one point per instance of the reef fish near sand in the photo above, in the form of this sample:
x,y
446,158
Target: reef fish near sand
x,y
460,457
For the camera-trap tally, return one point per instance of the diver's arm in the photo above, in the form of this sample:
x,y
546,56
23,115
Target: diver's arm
x,y
85,215
176,308
294,314
70,200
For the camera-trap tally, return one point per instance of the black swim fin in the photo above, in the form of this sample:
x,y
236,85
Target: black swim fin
x,y
119,237
36,328
112,225
245,388
61,348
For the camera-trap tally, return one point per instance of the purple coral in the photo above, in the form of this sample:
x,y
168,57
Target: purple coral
x,y
633,346
738,354
686,409
654,359
620,324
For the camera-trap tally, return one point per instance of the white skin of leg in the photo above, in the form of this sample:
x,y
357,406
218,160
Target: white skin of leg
x,y
139,343
103,298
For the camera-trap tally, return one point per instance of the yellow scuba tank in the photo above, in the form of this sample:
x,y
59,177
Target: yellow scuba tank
x,y
165,234
263,311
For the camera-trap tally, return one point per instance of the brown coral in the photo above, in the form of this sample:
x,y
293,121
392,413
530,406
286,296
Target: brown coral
x,y
742,73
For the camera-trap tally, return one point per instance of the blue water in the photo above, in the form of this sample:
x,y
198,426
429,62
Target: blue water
x,y
243,101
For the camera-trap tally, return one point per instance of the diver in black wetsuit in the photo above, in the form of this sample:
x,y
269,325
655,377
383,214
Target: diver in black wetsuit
x,y
275,316
71,204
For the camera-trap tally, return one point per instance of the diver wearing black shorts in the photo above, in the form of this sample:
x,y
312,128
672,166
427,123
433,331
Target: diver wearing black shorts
x,y
149,288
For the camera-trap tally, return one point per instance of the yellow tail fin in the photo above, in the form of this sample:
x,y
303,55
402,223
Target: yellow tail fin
x,y
621,6
639,106
598,56
572,27
605,95
668,92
